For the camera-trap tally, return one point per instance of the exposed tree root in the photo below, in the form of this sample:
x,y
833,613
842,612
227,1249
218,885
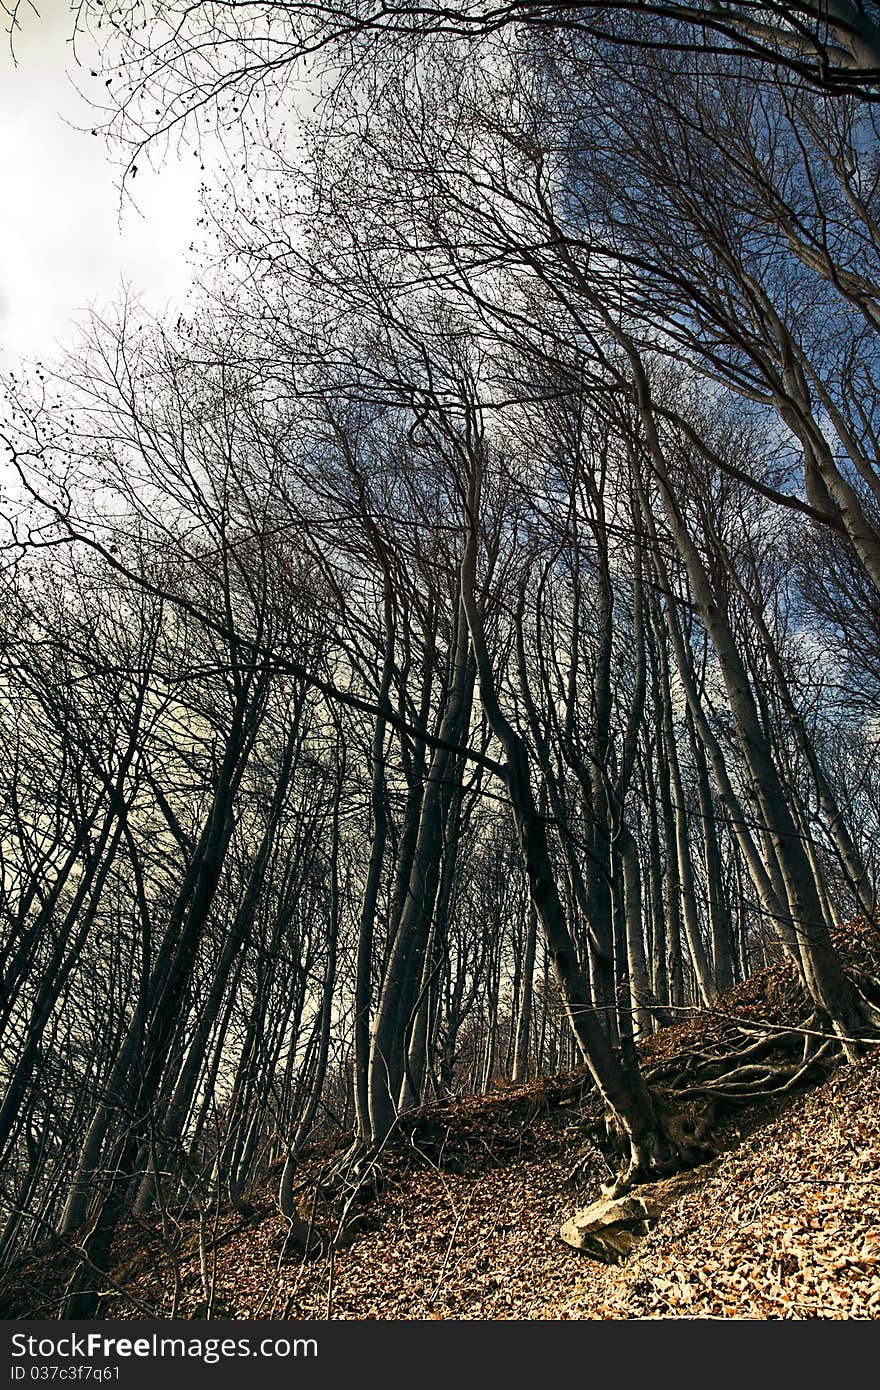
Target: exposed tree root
x,y
742,1065
351,1181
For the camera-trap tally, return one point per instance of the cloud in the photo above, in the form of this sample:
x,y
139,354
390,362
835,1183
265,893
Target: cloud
x,y
65,241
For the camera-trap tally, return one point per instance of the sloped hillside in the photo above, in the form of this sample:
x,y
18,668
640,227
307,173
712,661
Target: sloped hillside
x,y
787,1224
463,1218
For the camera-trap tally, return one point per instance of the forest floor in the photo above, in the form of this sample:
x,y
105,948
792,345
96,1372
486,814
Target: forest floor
x,y
465,1222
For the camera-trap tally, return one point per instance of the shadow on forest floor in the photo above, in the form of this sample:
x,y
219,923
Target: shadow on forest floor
x,y
464,1220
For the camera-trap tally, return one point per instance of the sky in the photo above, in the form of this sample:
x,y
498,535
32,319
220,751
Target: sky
x,y
66,242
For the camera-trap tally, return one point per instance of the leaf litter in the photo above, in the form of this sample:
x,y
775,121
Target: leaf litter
x,y
464,1223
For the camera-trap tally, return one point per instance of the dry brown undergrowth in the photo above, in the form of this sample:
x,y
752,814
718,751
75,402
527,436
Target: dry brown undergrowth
x,y
467,1222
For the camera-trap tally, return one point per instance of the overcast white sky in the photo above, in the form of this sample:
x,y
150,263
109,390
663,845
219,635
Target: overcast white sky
x,y
63,243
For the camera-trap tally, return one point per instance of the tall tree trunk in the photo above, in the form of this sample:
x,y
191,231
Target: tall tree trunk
x,y
624,1092
719,918
397,1002
523,1023
369,902
696,950
640,993
823,973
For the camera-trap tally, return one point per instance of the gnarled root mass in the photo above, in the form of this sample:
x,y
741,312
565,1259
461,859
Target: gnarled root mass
x,y
742,1062
747,1062
693,1078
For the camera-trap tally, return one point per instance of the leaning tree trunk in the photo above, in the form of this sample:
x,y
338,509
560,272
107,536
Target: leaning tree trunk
x,y
822,969
850,858
624,1092
135,1081
186,1081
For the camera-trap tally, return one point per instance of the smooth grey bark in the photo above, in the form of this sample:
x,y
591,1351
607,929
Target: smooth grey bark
x,y
719,917
523,1021
640,992
417,1068
824,975
659,975
671,888
624,1092
397,1001
706,986
363,989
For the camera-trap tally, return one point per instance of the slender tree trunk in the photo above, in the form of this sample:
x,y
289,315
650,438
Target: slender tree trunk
x,y
395,1012
623,1092
369,902
719,918
640,993
696,949
524,1012
825,979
